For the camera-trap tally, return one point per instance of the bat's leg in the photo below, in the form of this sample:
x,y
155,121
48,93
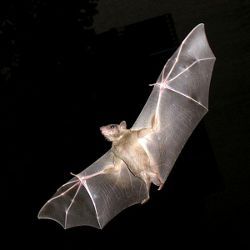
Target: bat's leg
x,y
161,183
161,186
156,179
145,200
148,183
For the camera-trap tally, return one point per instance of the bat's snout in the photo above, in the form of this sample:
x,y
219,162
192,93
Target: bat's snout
x,y
103,130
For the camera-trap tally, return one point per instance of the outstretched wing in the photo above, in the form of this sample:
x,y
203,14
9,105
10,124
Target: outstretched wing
x,y
95,201
179,99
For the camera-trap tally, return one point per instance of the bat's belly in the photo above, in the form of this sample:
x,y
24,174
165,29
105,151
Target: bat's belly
x,y
135,158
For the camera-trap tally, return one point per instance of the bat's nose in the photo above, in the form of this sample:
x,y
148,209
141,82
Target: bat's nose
x,y
102,129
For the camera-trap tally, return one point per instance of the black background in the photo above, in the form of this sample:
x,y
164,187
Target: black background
x,y
60,81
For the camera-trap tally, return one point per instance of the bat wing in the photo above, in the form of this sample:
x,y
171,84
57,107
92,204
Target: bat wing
x,y
95,201
179,99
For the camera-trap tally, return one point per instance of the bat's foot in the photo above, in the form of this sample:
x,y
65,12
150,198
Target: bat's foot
x,y
160,187
145,200
157,180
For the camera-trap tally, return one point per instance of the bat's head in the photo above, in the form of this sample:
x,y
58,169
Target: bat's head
x,y
113,132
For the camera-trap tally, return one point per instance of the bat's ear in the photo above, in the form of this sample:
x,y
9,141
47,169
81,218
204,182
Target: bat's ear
x,y
123,125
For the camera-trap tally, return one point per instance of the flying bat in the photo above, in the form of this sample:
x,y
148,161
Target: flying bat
x,y
145,153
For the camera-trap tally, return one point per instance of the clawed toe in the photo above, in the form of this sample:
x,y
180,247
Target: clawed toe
x,y
161,186
145,200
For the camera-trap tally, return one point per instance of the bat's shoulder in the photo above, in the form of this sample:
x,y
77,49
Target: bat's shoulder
x,y
134,133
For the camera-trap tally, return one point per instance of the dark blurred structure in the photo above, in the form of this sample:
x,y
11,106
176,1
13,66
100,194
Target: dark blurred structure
x,y
155,37
126,60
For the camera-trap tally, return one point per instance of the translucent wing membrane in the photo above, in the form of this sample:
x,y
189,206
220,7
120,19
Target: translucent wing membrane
x,y
94,201
71,206
179,99
189,70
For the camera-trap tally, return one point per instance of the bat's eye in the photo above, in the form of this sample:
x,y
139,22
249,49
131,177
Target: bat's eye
x,y
112,126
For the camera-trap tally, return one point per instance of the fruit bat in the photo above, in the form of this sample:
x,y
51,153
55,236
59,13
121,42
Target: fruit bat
x,y
145,153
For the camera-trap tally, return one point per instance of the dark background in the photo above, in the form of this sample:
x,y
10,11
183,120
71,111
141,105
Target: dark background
x,y
68,68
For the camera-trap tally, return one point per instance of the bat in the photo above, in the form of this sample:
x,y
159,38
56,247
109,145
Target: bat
x,y
145,153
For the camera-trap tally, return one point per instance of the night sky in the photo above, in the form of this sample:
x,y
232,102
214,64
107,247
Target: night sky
x,y
68,68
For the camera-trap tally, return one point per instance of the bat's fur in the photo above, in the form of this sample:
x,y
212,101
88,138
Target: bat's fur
x,y
126,148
